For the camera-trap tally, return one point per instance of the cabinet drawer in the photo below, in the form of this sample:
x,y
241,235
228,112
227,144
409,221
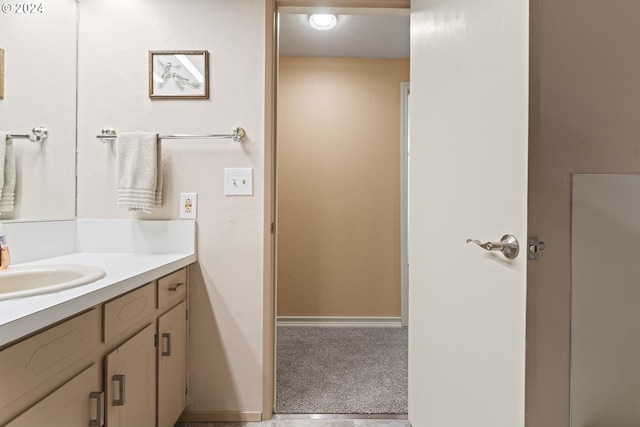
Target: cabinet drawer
x,y
31,362
172,287
125,311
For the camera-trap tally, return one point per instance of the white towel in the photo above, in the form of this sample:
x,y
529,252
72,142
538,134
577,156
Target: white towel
x,y
139,171
7,173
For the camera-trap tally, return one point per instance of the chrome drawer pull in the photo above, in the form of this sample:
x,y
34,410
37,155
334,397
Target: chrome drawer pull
x,y
99,396
168,338
121,388
176,287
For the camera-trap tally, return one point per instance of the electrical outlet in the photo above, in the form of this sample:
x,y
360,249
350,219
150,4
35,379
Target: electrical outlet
x,y
188,205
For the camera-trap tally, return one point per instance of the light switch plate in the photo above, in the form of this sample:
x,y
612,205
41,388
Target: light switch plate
x,y
238,182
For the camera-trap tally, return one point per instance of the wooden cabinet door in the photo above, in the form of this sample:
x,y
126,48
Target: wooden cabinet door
x,y
131,382
77,403
172,365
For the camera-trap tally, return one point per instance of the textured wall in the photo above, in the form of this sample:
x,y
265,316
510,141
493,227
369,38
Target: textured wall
x,y
339,186
226,292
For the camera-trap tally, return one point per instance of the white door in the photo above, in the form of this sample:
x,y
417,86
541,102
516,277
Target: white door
x,y
469,119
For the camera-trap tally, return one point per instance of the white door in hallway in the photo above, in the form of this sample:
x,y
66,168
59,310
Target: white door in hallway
x,y
469,120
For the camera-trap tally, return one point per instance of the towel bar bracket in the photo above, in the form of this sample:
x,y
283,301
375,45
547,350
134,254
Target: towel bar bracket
x,y
105,133
39,134
238,134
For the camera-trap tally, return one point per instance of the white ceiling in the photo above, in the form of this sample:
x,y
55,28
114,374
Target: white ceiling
x,y
369,35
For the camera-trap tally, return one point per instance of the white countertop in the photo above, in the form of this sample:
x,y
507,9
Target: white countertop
x,y
124,272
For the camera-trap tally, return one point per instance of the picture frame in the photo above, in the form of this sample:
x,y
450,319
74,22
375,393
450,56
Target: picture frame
x,y
1,73
179,74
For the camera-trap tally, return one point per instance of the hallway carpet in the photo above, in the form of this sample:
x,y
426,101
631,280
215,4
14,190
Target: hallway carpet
x,y
327,370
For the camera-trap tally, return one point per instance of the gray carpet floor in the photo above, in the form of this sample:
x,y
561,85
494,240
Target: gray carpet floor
x,y
325,370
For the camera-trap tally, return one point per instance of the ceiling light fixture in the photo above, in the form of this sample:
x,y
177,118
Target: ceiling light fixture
x,y
323,21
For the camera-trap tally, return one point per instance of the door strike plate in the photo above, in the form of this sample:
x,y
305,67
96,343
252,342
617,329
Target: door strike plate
x,y
534,246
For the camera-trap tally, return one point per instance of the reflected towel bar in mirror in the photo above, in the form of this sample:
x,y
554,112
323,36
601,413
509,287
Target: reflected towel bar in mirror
x,y
237,134
38,134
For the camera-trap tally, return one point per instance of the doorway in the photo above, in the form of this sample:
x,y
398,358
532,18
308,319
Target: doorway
x,y
341,173
467,326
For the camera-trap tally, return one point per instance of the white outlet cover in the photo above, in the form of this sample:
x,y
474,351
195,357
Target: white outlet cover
x,y
193,197
238,182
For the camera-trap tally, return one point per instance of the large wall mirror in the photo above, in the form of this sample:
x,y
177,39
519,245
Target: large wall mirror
x,y
40,66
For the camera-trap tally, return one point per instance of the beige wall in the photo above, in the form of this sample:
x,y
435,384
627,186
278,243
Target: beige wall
x,y
226,349
589,121
339,186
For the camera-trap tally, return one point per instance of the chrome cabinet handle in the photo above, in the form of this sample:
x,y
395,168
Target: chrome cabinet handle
x,y
168,338
121,387
99,396
508,245
176,287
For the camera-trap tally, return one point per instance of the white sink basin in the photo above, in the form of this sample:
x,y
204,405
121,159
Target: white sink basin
x,y
22,281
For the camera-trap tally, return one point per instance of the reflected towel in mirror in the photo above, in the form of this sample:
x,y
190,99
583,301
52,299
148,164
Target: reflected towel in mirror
x,y
7,173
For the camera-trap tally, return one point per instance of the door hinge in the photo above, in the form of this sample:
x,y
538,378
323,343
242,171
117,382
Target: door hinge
x,y
186,390
534,246
155,340
273,227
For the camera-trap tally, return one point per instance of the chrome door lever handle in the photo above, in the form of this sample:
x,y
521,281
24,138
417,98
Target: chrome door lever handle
x,y
508,245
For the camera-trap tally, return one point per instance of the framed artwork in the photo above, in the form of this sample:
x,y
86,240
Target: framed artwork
x,y
179,74
1,73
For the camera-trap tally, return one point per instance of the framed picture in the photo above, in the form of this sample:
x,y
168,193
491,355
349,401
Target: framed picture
x,y
1,73
179,74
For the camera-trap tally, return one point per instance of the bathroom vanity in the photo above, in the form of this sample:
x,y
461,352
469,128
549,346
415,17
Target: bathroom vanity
x,y
112,352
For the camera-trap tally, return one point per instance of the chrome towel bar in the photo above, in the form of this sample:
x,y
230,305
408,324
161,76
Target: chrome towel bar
x,y
237,134
38,134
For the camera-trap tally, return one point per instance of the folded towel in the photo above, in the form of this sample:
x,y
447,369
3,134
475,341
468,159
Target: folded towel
x,y
139,171
7,173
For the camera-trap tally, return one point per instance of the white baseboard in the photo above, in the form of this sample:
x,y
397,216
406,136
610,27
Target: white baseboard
x,y
352,322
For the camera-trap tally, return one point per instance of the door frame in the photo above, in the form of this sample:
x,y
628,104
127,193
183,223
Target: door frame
x,y
270,173
269,236
404,201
